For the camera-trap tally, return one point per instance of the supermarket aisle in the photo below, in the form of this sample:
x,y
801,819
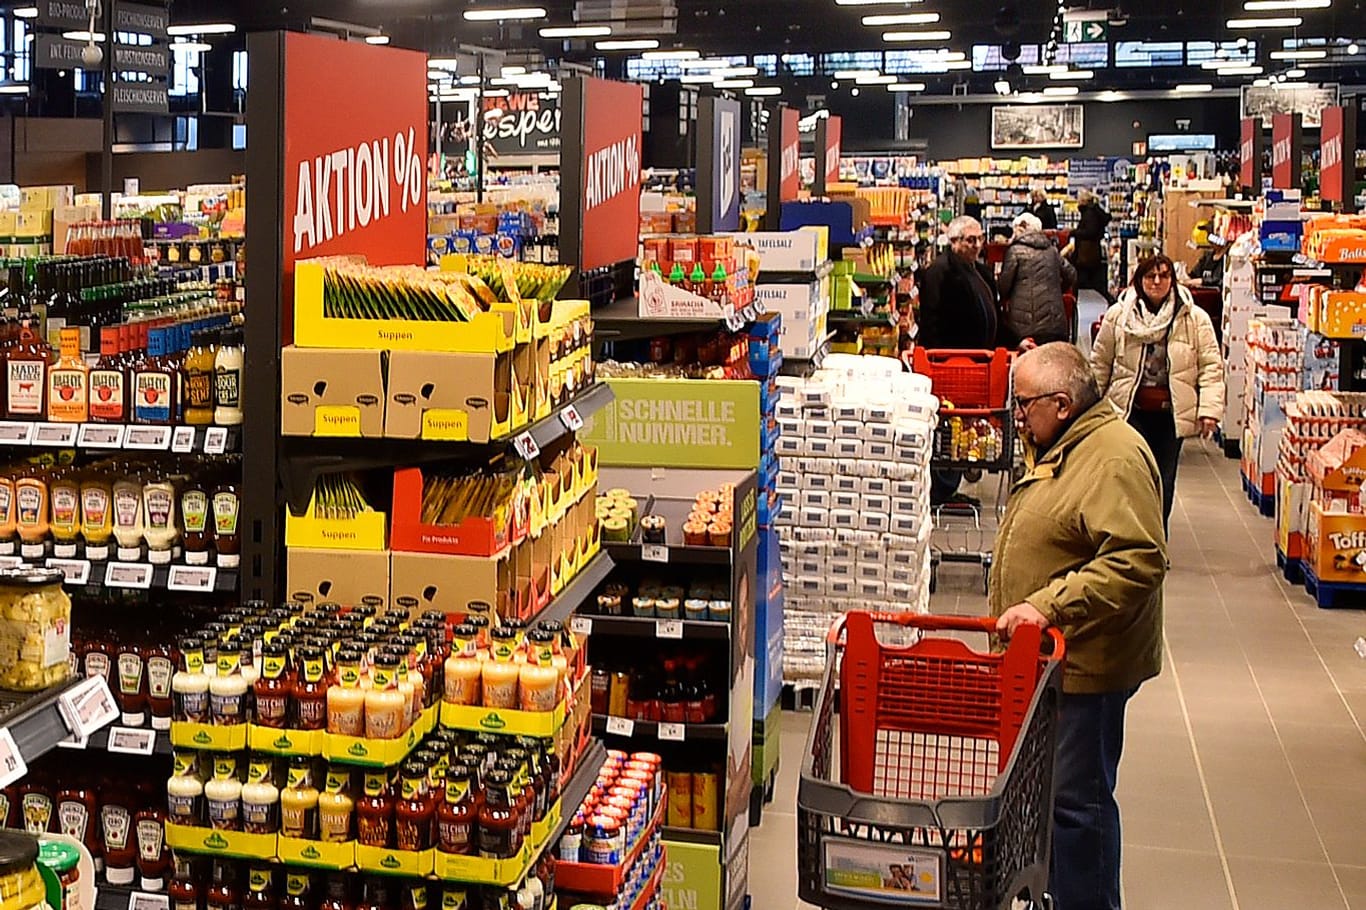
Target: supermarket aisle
x,y
1242,782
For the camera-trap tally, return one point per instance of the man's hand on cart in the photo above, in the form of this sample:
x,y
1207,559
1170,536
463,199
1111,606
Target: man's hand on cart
x,y
1022,614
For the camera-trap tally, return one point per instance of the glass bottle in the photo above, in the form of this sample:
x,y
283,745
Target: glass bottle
x,y
184,891
260,798
384,704
260,889
413,814
299,801
184,790
223,794
26,363
499,836
154,384
223,893
335,806
375,811
190,685
108,392
456,815
274,688
335,897
345,698
298,888
68,382
228,688
310,690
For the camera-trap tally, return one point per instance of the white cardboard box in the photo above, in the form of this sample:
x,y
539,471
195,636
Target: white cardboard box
x,y
813,517
876,486
843,518
848,448
819,482
874,521
875,450
787,251
815,499
845,483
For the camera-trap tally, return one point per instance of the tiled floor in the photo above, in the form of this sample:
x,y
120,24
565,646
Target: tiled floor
x,y
1243,785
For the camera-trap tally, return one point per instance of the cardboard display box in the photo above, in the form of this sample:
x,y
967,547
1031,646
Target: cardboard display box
x,y
475,536
1338,471
347,577
1335,546
331,392
453,397
487,585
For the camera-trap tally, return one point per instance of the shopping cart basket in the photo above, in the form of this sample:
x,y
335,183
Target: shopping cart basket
x,y
941,793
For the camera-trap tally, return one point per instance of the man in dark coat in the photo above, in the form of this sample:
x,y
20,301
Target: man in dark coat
x,y
1043,210
1086,245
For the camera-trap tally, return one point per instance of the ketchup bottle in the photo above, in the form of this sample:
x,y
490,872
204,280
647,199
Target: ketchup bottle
x,y
184,890
116,830
223,893
414,817
131,692
154,858
78,817
375,811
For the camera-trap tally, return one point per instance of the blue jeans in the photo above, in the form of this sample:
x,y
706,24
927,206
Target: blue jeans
x,y
1085,869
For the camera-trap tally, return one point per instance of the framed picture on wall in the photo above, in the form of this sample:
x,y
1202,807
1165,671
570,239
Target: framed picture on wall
x,y
1308,101
1037,126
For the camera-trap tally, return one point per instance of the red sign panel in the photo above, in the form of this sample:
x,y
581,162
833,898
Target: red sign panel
x,y
1248,150
612,114
791,160
1332,132
355,151
833,129
1284,152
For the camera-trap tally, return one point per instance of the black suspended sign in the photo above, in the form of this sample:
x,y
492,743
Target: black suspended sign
x,y
53,53
69,15
154,61
63,14
142,19
141,98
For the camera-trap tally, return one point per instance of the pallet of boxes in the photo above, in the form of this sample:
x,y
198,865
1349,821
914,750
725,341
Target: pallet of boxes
x,y
854,458
1335,533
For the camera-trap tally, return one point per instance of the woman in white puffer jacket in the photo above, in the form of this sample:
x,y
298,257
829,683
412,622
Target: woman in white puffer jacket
x,y
1158,361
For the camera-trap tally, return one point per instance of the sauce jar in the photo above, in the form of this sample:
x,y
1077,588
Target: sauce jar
x,y
35,629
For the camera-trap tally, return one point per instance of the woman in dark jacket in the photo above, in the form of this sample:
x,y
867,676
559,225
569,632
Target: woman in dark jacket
x,y
1032,279
1087,242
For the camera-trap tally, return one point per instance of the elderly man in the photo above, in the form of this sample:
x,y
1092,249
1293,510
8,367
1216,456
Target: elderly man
x,y
958,293
1042,209
1081,547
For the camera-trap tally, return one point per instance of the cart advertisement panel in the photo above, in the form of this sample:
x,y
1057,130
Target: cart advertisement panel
x,y
790,132
902,876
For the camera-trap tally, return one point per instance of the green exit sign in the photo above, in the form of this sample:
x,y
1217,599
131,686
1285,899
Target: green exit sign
x,y
1085,31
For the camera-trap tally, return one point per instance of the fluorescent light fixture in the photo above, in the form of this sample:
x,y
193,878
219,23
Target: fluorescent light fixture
x,y
205,28
1002,87
764,90
440,75
533,80
854,74
1061,91
1194,88
98,37
732,72
1295,73
958,64
1109,96
906,87
902,19
26,12
1030,97
498,15
942,35
670,55
1269,22
442,63
496,93
190,47
1044,69
875,80
702,64
376,39
1258,6
469,80
734,83
576,31
697,78
1261,83
13,89
1301,54
512,71
873,2
1240,71
628,44
1072,75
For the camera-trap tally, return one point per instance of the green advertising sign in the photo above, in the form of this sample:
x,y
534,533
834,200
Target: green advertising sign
x,y
678,423
692,880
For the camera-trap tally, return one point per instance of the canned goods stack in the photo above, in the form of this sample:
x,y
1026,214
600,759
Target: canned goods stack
x,y
610,854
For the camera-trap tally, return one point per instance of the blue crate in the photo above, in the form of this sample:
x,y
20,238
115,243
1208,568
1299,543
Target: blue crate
x,y
767,327
769,507
764,358
770,393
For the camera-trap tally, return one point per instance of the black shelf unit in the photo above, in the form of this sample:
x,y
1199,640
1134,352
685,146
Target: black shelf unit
x,y
114,437
645,627
35,719
697,556
577,592
648,729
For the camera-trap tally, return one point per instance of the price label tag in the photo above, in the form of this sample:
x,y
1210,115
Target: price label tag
x,y
215,440
143,900
128,575
100,436
571,419
654,552
621,726
182,440
74,742
16,434
526,447
132,740
11,562
77,571
191,578
149,438
581,625
672,732
55,434
88,706
669,628
12,765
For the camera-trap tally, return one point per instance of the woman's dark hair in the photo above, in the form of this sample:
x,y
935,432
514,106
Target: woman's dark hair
x,y
1149,265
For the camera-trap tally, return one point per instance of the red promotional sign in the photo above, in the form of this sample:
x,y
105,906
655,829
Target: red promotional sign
x,y
833,130
612,114
1285,158
791,160
355,146
1332,132
1248,150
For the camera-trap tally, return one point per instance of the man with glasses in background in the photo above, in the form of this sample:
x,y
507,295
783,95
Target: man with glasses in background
x,y
958,309
1081,547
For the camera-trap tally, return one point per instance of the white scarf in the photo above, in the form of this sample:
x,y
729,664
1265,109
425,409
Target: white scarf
x,y
1145,326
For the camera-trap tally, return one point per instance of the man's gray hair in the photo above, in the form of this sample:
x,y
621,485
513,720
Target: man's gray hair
x,y
958,225
1059,365
1085,196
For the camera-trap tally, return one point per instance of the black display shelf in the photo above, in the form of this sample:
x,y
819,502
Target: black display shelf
x,y
35,720
620,320
576,593
648,729
225,581
645,627
113,437
693,556
692,836
304,458
854,317
99,741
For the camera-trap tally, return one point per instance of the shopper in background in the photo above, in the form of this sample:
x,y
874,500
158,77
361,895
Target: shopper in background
x,y
1032,280
957,310
1086,245
1042,209
1157,360
1209,271
1081,547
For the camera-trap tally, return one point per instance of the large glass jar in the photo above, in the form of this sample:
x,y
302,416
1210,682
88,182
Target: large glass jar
x,y
21,887
35,629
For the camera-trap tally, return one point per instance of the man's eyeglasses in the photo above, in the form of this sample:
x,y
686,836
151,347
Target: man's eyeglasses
x,y
1022,404
974,239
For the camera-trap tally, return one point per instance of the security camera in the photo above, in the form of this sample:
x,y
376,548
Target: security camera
x,y
91,56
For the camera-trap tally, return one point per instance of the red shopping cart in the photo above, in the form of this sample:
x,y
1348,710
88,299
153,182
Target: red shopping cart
x,y
941,792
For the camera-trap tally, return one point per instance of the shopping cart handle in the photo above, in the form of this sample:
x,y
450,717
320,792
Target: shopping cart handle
x,y
946,622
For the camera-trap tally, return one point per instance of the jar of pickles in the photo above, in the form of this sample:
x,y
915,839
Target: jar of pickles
x,y
21,887
35,629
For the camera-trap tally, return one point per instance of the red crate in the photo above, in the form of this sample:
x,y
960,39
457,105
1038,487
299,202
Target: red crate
x,y
968,378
